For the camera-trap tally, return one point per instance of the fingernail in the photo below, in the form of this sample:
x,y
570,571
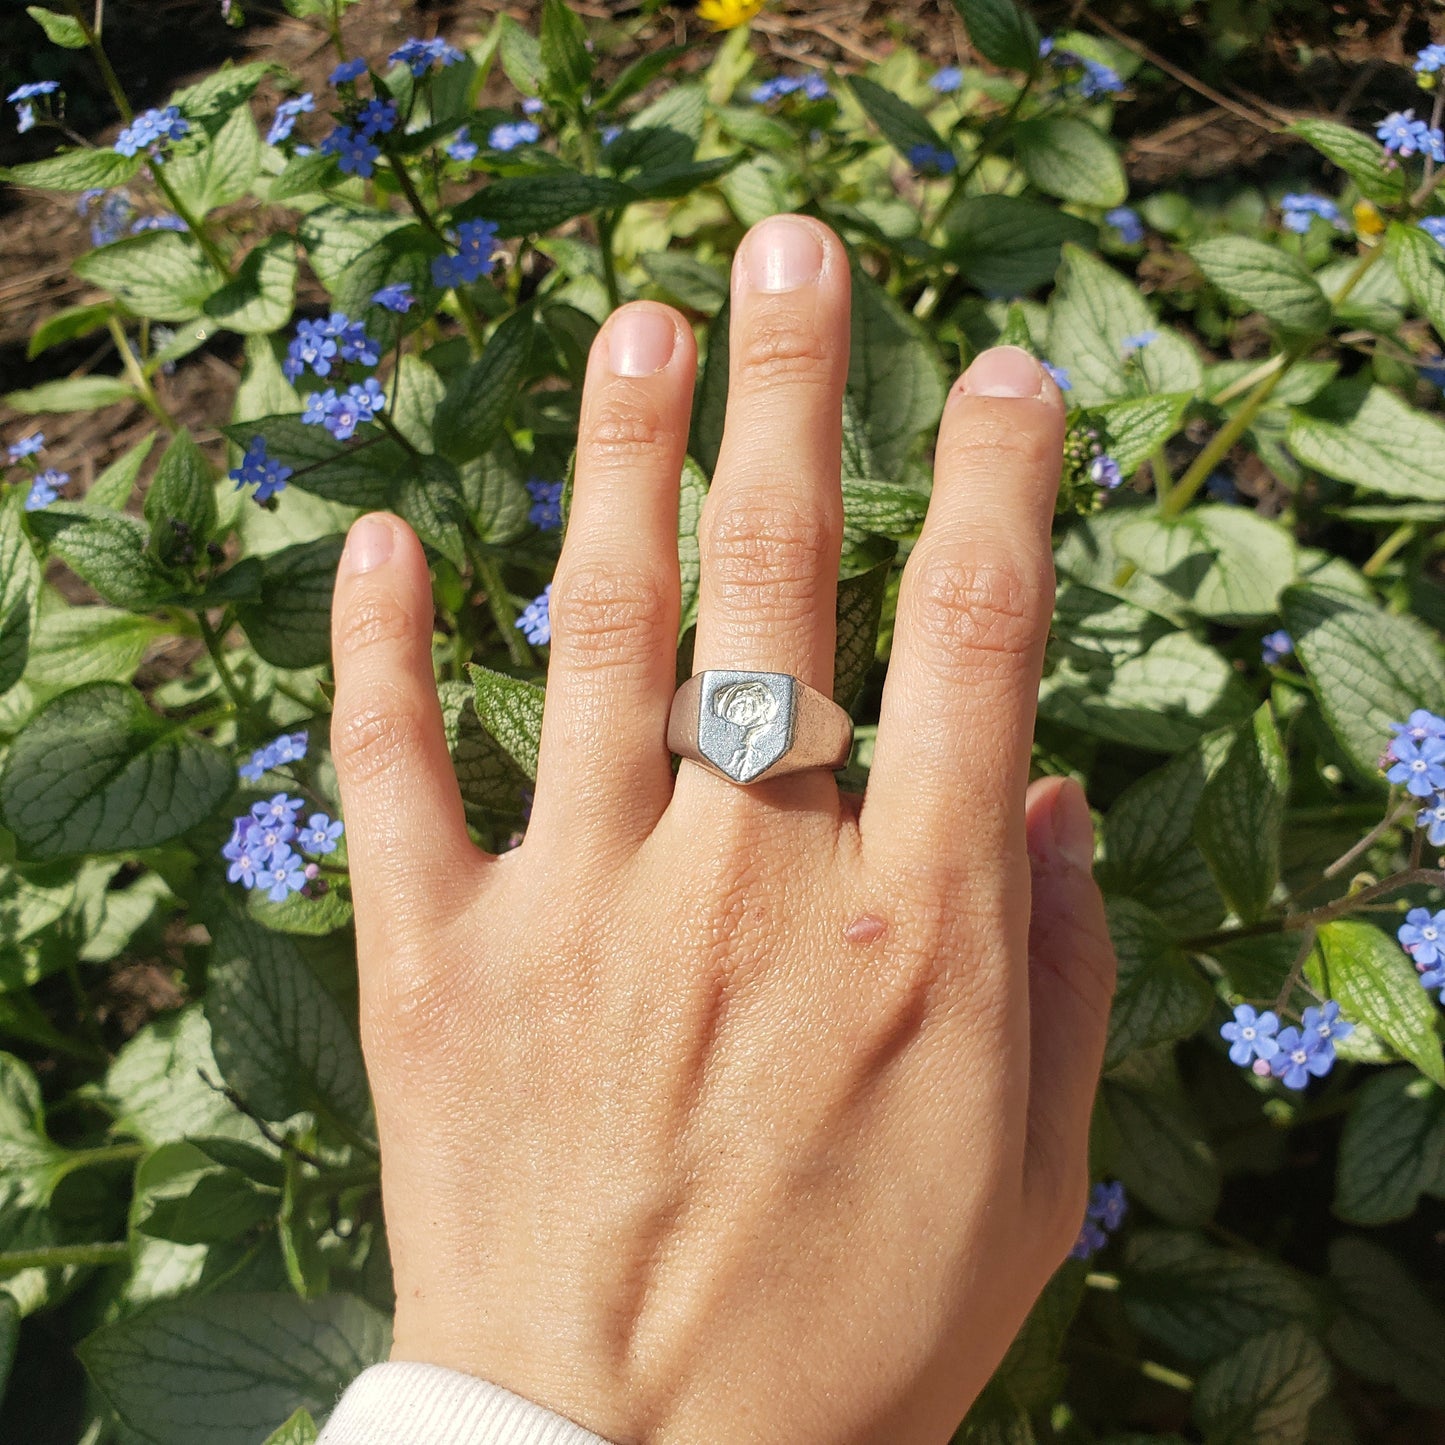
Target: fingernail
x,y
640,341
1072,827
368,544
1004,371
783,253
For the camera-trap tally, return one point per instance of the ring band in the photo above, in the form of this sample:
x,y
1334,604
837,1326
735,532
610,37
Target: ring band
x,y
747,726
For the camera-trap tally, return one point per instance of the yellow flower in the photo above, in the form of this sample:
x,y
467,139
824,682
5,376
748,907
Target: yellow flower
x,y
1368,221
727,14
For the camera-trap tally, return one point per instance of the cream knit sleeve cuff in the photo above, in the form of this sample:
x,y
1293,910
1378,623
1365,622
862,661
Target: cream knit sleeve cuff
x,y
410,1404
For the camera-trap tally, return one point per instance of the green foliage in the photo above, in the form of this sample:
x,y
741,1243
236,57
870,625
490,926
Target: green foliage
x,y
189,1200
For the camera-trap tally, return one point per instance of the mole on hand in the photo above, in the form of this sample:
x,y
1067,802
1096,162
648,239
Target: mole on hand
x,y
868,928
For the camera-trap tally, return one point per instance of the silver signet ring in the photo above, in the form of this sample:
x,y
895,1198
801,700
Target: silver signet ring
x,y
753,725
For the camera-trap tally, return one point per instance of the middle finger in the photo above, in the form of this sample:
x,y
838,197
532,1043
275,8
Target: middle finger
x,y
772,526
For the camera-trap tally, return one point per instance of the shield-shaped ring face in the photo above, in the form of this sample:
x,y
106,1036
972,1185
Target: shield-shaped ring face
x,y
745,721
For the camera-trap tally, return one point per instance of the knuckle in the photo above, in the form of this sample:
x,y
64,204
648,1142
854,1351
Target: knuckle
x,y
967,603
607,612
626,424
779,345
763,556
374,734
373,618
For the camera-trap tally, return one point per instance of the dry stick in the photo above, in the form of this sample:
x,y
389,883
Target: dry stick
x,y
1182,76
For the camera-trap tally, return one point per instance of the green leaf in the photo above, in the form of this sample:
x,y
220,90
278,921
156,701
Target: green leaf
x,y
160,274
1149,852
68,324
281,1040
1241,813
566,63
1367,667
1067,157
1228,564
112,488
1008,245
290,622
77,393
489,780
72,645
903,126
19,589
183,1195
521,56
709,403
477,401
859,610
107,550
691,496
1260,277
1160,996
222,171
222,91
96,771
895,380
1138,426
1092,312
525,205
1383,445
1392,1150
1002,32
1386,1327
361,473
1264,1390
224,1368
1357,155
9,1337
300,1429
1374,982
429,496
183,490
1162,700
417,392
511,711
63,30
881,509
263,294
1416,258
78,170
1157,1151
1201,1300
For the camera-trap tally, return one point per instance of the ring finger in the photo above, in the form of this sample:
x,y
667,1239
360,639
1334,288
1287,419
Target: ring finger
x,y
772,525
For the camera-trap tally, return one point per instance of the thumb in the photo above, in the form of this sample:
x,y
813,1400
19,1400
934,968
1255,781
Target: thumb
x,y
1071,981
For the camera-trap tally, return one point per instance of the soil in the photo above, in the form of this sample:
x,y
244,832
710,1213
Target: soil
x,y
1215,117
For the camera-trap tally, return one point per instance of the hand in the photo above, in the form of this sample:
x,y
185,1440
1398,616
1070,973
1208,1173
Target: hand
x,y
722,1114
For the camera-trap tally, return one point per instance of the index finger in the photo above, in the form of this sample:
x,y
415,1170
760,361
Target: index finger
x,y
950,763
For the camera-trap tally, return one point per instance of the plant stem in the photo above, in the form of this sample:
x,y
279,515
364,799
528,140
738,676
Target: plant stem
x,y
986,148
63,1256
390,427
1387,549
1296,969
108,76
1391,818
489,574
223,668
606,225
194,225
138,377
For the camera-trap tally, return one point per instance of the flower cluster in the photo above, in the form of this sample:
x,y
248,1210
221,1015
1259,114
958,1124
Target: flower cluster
x,y
420,55
947,80
1132,345
1416,755
1095,78
112,215
1434,227
46,485
1108,1204
1428,65
152,131
1059,375
463,148
546,509
23,98
1086,455
356,154
1292,1055
1127,223
1298,210
318,343
510,134
348,71
812,86
397,297
288,748
341,412
287,114
476,242
1275,646
268,848
261,471
930,160
1404,136
536,619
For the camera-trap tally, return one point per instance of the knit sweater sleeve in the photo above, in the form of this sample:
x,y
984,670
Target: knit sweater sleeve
x,y
402,1403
